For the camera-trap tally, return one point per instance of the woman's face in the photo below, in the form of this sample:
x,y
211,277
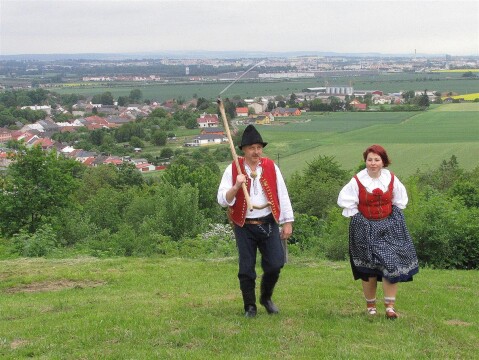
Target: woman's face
x,y
374,164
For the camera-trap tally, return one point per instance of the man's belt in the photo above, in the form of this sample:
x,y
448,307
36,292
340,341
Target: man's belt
x,y
259,221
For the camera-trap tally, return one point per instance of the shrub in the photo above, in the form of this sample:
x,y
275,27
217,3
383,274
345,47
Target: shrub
x,y
41,243
306,232
335,238
445,233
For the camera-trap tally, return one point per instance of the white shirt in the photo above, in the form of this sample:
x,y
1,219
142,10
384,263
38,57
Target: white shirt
x,y
348,197
257,195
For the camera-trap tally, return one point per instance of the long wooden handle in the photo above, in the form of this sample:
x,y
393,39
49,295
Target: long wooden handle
x,y
233,153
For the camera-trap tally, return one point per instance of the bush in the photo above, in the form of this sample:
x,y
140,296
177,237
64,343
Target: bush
x,y
445,233
306,234
41,243
335,239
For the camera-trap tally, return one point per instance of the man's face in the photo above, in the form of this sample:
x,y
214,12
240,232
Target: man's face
x,y
252,153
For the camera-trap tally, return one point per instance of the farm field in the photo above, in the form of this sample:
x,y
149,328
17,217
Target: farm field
x,y
413,140
447,82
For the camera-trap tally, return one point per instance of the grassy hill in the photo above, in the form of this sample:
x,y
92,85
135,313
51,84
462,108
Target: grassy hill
x,y
156,308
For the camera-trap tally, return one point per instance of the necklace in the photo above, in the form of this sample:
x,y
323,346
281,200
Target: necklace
x,y
254,175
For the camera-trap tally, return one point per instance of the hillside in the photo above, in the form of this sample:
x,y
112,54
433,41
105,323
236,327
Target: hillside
x,y
152,308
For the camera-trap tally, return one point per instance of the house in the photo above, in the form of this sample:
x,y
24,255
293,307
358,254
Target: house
x,y
258,120
46,108
257,107
242,111
360,107
145,167
207,120
96,122
279,111
44,143
5,135
262,120
212,130
115,160
209,139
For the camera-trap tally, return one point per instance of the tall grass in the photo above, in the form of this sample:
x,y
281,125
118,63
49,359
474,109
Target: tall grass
x,y
154,308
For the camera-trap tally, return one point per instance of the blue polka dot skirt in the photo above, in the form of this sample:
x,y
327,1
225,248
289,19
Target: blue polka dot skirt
x,y
382,248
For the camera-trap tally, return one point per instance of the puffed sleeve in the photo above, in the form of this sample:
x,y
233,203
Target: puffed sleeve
x,y
286,214
348,198
225,184
400,198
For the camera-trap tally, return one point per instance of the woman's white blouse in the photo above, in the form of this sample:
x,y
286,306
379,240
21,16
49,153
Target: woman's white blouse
x,y
348,197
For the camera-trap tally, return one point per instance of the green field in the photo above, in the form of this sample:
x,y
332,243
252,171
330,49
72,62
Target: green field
x,y
413,139
157,308
450,82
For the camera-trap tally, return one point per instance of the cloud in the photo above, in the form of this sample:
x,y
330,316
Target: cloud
x,y
80,26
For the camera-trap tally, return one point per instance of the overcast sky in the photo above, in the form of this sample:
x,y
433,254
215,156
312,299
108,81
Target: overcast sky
x,y
129,26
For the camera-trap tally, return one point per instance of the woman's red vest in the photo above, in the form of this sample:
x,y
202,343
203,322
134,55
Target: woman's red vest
x,y
378,204
237,212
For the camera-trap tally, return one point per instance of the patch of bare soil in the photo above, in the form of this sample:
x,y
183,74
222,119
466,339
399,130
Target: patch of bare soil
x,y
53,286
458,323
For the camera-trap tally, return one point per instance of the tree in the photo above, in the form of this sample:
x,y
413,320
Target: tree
x,y
123,100
38,186
135,95
167,153
408,95
107,98
271,105
159,138
202,104
423,100
136,142
315,191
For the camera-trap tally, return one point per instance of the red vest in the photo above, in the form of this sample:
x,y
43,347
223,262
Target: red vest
x,y
237,212
376,205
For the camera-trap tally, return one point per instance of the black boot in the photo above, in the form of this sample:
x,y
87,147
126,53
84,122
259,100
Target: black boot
x,y
249,300
267,287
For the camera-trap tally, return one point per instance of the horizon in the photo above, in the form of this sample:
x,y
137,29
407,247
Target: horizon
x,y
212,54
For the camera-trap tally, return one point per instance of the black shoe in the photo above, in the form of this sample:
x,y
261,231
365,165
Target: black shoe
x,y
250,311
269,306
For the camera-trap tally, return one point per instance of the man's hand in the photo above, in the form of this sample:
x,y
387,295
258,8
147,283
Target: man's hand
x,y
286,230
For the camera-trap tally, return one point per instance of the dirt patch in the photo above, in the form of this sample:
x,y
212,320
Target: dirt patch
x,y
53,286
458,323
18,343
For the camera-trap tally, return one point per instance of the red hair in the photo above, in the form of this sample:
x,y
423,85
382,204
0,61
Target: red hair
x,y
378,150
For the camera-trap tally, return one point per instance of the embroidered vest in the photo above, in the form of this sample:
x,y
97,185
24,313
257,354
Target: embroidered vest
x,y
237,212
378,204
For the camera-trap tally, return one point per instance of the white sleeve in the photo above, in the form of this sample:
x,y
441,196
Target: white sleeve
x,y
348,198
400,198
225,184
286,214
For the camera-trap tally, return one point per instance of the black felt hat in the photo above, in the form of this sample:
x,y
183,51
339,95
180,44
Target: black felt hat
x,y
251,136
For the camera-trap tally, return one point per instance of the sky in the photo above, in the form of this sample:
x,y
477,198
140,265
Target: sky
x,y
343,26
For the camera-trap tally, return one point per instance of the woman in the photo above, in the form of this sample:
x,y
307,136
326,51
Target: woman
x,y
380,246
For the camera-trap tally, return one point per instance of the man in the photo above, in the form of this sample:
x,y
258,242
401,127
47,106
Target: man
x,y
257,229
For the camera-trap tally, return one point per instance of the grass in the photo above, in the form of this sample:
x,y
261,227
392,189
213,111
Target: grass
x,y
150,308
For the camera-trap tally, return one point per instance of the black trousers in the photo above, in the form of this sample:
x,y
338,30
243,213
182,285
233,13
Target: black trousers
x,y
265,238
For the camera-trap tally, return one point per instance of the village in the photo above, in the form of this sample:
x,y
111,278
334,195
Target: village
x,y
260,111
